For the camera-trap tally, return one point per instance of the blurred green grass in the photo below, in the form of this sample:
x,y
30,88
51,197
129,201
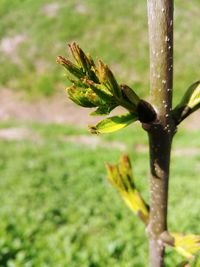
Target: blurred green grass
x,y
115,31
57,208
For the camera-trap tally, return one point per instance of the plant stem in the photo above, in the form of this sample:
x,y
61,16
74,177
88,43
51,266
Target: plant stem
x,y
160,21
160,146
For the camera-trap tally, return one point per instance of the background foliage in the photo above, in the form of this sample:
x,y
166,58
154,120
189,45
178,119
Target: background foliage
x,y
116,31
58,208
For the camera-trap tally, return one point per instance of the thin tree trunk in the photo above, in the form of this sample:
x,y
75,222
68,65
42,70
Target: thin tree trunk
x,y
160,21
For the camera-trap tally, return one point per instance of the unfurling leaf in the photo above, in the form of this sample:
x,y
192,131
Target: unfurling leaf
x,y
103,110
84,97
106,77
122,179
130,94
71,67
96,86
100,90
189,103
113,124
194,100
186,245
184,264
192,96
84,62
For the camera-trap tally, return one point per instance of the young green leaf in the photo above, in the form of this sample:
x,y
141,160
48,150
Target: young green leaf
x,y
84,97
122,179
83,61
106,77
194,100
130,94
100,90
103,110
71,67
113,124
187,245
189,103
97,87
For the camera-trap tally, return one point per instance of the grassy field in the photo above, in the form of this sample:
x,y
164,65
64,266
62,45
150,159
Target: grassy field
x,y
57,208
116,31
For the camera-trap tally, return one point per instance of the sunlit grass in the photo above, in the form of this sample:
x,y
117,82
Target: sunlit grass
x,y
115,31
57,207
